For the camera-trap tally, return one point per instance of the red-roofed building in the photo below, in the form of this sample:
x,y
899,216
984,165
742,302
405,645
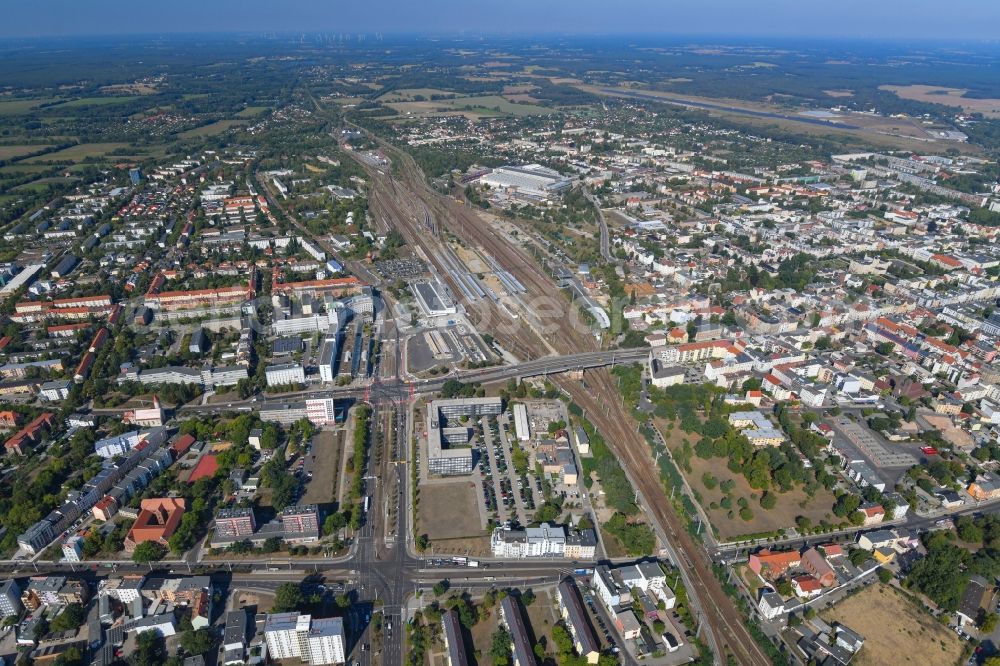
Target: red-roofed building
x,y
65,330
105,509
874,514
181,445
806,586
816,564
773,564
158,520
946,262
205,469
336,286
9,419
30,435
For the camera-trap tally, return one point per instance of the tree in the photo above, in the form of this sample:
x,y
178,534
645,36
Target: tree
x,y
857,556
150,650
968,530
72,617
884,575
148,551
768,501
287,597
334,523
989,623
71,656
440,588
500,647
197,642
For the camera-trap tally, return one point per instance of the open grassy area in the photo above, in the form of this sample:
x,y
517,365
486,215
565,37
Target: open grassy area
x,y
896,630
407,94
728,521
253,111
15,107
98,101
211,129
8,152
23,168
42,184
448,511
486,105
79,152
948,96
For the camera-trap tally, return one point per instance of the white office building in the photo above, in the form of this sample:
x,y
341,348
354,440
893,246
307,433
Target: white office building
x,y
285,373
328,355
542,541
295,636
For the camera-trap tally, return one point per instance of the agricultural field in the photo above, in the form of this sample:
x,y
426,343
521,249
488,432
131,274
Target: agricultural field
x,y
211,129
484,105
408,94
95,101
80,152
896,630
16,107
948,96
253,111
10,152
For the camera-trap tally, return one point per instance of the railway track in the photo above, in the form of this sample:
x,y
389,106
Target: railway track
x,y
727,633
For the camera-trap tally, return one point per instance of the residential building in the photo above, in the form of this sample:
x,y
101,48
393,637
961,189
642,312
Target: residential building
x,y
105,509
55,390
117,445
575,617
454,642
977,599
512,617
72,549
985,487
628,624
771,605
234,638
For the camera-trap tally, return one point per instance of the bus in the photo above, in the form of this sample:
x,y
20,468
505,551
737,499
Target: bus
x,y
367,502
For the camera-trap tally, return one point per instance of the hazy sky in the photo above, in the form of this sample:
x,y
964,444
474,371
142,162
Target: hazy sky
x,y
890,19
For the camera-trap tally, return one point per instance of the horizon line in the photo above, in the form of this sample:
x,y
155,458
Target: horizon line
x,y
484,35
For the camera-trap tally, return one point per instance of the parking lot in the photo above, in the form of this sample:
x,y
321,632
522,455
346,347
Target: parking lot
x,y
499,478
